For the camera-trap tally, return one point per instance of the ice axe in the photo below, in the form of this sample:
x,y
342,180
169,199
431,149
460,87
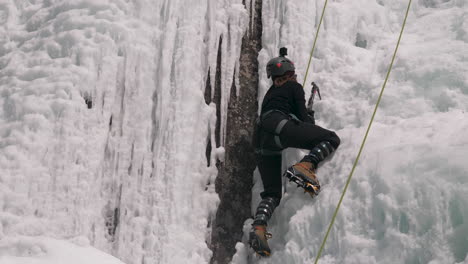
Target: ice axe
x,y
315,90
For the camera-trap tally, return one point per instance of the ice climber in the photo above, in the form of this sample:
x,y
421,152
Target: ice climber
x,y
285,122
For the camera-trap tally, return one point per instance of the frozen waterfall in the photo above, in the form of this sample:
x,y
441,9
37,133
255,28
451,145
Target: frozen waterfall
x,y
114,121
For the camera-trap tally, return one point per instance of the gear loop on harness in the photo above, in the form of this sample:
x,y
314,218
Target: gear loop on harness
x,y
278,130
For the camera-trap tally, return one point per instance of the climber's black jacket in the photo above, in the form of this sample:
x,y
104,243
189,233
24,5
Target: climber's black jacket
x,y
289,99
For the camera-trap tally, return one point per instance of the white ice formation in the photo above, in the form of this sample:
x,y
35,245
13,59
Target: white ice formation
x,y
103,128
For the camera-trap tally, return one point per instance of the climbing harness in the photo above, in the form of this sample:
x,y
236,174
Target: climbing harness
x,y
277,131
365,137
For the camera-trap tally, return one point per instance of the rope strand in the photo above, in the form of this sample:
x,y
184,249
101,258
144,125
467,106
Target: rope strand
x,y
365,137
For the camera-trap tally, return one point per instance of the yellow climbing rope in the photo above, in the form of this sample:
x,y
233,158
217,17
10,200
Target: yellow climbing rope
x,y
315,42
365,137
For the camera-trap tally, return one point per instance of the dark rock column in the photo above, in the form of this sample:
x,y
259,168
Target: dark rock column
x,y
234,181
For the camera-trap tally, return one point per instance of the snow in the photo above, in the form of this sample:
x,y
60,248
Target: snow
x,y
103,129
41,250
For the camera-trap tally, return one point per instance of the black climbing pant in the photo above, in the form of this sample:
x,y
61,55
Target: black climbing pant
x,y
294,134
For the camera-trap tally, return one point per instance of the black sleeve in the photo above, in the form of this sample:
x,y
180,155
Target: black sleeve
x,y
301,110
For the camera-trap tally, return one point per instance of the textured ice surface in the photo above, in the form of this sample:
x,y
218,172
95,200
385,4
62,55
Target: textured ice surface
x,y
103,123
407,202
103,128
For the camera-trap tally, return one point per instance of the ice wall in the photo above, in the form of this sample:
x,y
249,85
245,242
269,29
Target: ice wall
x,y
104,124
408,199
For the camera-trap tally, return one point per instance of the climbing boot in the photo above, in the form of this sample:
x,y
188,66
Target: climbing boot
x,y
258,237
303,174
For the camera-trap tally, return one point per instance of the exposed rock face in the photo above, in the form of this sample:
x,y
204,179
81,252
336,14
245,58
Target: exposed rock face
x,y
234,182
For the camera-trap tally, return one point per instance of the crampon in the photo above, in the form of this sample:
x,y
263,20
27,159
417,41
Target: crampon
x,y
310,187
